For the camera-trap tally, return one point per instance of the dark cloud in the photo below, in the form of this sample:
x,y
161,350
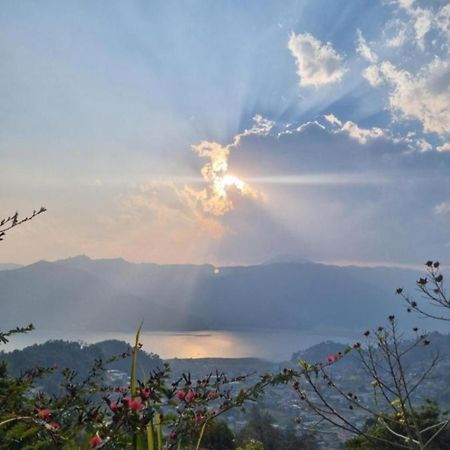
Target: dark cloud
x,y
372,202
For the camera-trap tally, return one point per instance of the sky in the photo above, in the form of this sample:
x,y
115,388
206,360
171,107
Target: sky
x,y
226,132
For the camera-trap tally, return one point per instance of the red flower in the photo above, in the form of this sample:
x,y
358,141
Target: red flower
x,y
126,401
199,417
95,441
113,406
145,393
190,396
136,405
181,395
333,358
44,413
172,435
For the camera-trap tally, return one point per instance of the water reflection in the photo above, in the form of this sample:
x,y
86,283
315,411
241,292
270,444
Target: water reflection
x,y
274,345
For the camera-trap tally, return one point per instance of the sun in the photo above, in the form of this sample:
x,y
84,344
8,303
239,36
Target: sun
x,y
231,180
223,183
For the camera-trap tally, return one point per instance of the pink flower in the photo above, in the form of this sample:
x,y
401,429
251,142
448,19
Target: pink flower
x,y
199,417
136,405
333,358
44,413
181,395
145,393
126,401
113,406
172,435
212,395
54,426
190,396
95,441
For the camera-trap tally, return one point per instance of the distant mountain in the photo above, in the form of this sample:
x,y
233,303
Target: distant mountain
x,y
112,294
8,266
287,259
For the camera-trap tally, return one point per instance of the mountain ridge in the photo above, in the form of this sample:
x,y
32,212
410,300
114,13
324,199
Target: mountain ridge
x,y
113,294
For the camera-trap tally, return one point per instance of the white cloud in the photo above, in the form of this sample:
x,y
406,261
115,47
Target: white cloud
x,y
423,145
398,40
362,135
405,4
372,75
333,119
261,126
443,20
400,29
442,209
318,63
421,21
422,24
364,50
425,96
444,147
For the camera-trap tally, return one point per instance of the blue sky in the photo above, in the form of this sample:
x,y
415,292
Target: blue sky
x,y
333,115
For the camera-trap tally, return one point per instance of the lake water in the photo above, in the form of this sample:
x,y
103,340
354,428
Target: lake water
x,y
273,345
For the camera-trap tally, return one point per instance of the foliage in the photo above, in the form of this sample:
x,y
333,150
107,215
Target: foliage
x,y
155,412
252,445
385,358
78,357
261,427
427,416
218,436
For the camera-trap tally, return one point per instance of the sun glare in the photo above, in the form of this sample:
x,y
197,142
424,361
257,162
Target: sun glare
x,y
228,181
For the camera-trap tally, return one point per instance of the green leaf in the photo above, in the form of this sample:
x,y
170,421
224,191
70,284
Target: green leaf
x,y
134,352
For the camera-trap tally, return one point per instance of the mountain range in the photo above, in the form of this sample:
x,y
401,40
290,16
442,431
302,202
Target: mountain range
x,y
80,293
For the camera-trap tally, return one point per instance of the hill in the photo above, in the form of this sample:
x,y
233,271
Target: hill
x,y
112,294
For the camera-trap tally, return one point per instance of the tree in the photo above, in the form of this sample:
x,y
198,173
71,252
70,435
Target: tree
x,y
431,286
396,419
262,428
15,220
426,417
218,436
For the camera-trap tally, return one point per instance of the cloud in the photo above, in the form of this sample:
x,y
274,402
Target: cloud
x,y
444,147
423,145
373,75
405,4
419,23
442,209
422,24
362,135
338,191
261,126
422,20
215,198
364,50
399,33
424,96
159,221
328,194
443,20
318,63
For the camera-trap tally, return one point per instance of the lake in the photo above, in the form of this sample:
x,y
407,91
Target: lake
x,y
273,345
